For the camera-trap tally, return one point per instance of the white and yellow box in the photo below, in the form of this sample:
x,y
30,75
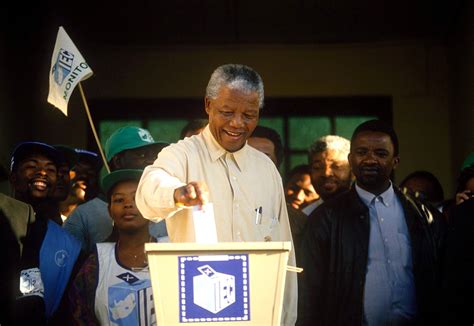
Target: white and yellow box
x,y
258,268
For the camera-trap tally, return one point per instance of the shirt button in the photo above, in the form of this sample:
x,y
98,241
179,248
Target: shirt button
x,y
381,219
385,239
389,261
234,178
238,232
237,205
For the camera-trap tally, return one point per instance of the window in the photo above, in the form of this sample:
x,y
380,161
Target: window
x,y
299,121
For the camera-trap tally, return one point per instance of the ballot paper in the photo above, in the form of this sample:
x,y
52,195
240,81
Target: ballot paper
x,y
204,224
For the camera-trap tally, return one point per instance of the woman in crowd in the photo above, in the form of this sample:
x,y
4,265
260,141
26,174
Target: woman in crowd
x,y
113,286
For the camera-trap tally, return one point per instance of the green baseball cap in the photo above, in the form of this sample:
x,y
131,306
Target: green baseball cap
x,y
111,179
468,161
126,138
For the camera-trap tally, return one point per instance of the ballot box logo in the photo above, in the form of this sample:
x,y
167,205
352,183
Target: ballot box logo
x,y
214,288
222,286
63,66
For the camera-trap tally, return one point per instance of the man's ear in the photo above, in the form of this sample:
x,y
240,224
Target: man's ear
x,y
116,162
207,104
396,161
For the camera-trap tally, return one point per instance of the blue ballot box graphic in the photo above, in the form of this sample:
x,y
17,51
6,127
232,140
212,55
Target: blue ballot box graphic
x,y
131,303
213,291
214,288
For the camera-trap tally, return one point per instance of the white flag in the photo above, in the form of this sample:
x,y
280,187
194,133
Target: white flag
x,y
68,68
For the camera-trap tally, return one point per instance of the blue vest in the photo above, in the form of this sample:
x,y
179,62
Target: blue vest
x,y
58,254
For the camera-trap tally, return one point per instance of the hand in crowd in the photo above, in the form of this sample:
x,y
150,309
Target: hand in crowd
x,y
192,194
463,196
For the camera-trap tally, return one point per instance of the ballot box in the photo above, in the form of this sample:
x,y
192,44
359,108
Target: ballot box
x,y
218,284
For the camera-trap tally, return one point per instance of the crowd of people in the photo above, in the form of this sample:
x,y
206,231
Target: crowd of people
x,y
373,252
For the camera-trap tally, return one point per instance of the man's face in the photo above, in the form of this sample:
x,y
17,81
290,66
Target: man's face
x,y
299,191
233,116
35,178
265,146
85,181
330,173
63,184
470,185
139,158
372,160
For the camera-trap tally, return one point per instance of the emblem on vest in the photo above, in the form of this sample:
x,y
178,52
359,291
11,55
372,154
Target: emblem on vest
x,y
61,257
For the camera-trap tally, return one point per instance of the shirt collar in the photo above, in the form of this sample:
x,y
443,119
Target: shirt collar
x,y
367,197
216,151
241,156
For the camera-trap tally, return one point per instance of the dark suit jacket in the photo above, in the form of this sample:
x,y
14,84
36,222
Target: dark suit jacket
x,y
15,217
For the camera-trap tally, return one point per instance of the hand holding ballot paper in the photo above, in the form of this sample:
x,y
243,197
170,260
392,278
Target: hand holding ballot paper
x,y
196,194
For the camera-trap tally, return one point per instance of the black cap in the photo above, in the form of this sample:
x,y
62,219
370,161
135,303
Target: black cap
x,y
89,157
68,154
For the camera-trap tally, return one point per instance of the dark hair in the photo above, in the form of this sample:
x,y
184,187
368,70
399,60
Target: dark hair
x,y
298,170
435,193
274,137
377,126
464,177
193,125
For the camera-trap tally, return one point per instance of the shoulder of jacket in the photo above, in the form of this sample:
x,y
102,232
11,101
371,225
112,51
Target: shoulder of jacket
x,y
421,209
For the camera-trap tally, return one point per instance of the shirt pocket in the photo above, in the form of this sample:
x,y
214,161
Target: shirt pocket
x,y
268,229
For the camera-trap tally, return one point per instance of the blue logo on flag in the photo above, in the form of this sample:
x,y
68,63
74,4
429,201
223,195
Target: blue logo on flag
x,y
63,66
214,288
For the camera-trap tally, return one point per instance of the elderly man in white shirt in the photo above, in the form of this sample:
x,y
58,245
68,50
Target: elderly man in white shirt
x,y
218,166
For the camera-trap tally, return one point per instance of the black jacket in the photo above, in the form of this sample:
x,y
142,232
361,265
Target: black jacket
x,y
335,251
459,267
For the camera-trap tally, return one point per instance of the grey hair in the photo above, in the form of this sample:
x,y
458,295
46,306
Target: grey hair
x,y
329,142
235,76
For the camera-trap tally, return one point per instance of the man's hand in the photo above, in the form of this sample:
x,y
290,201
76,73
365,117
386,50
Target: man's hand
x,y
463,196
194,193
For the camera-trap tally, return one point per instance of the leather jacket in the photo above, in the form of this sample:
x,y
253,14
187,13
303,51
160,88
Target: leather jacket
x,y
335,252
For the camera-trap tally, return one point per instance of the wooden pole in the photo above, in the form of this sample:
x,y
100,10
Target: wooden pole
x,y
93,128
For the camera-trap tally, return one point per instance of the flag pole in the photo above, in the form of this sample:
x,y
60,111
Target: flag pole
x,y
93,128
